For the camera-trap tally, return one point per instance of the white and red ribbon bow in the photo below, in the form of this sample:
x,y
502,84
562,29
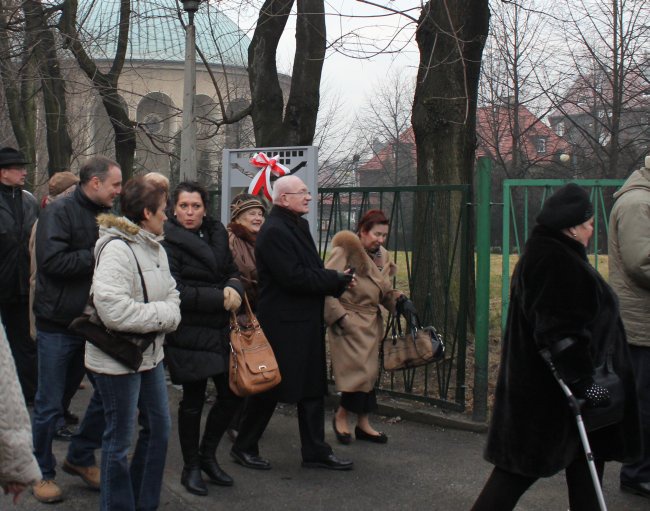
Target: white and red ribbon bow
x,y
263,178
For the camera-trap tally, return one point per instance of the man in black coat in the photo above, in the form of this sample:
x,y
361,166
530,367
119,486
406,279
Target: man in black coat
x,y
65,243
18,212
292,288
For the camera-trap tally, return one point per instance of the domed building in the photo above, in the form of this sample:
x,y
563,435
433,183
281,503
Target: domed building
x,y
151,83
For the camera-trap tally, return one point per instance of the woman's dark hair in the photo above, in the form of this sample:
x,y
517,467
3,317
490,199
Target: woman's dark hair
x,y
370,219
190,187
139,194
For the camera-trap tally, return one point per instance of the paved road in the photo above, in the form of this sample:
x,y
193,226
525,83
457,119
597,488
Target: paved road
x,y
423,467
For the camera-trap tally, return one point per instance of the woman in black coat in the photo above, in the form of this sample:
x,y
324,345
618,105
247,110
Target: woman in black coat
x,y
558,303
206,277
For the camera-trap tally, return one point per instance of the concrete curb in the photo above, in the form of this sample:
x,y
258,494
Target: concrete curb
x,y
418,412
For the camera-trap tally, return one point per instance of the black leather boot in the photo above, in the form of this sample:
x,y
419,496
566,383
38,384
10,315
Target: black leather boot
x,y
215,426
189,431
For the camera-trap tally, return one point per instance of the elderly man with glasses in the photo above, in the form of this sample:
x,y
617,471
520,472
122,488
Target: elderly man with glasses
x,y
292,287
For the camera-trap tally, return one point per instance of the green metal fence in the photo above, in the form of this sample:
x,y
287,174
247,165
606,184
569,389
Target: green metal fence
x,y
428,223
522,201
428,238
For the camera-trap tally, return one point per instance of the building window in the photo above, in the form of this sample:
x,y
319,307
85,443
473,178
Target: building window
x,y
541,145
559,129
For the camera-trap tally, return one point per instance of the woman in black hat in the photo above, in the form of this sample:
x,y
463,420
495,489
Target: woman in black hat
x,y
558,303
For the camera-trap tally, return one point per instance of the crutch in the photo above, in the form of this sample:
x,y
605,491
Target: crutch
x,y
575,408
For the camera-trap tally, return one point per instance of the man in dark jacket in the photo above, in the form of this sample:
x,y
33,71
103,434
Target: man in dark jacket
x,y
293,284
65,241
18,212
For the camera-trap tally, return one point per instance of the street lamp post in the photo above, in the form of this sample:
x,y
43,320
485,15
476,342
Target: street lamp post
x,y
188,133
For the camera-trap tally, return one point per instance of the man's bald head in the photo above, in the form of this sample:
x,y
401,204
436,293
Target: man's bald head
x,y
292,193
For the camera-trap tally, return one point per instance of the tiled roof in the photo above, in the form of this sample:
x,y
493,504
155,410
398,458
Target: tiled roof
x,y
493,127
156,33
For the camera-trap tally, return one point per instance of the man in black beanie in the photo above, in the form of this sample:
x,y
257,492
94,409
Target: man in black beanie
x,y
18,212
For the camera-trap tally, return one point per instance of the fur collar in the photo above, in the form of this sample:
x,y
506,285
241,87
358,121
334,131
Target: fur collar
x,y
241,232
357,255
121,223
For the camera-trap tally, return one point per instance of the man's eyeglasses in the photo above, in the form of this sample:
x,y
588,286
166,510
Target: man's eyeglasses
x,y
301,192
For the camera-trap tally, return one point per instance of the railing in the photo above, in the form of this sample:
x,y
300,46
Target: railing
x,y
522,201
428,238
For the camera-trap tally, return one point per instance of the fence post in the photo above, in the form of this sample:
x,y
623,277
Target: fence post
x,y
482,327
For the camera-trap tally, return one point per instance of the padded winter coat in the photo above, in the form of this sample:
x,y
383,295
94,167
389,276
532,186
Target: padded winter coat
x,y
629,255
202,265
557,294
118,295
65,243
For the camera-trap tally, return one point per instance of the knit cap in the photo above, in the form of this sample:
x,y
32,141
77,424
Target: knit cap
x,y
60,182
567,207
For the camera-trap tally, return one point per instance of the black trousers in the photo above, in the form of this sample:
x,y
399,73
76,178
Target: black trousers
x,y
639,472
15,317
503,489
311,422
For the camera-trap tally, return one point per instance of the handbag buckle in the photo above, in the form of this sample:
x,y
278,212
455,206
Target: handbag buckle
x,y
262,367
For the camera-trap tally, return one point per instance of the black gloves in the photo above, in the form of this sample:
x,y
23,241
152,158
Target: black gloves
x,y
403,305
591,393
345,278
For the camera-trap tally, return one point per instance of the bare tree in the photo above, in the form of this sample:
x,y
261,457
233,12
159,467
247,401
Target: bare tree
x,y
20,82
105,82
603,111
41,41
384,124
274,123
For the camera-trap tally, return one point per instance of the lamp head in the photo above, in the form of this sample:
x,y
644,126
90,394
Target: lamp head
x,y
191,6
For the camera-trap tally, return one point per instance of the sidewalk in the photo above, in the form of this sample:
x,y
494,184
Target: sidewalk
x,y
423,467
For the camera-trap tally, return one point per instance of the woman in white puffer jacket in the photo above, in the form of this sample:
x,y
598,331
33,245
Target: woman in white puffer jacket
x,y
124,243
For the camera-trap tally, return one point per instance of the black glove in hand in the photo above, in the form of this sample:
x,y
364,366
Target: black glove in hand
x,y
404,305
345,278
593,394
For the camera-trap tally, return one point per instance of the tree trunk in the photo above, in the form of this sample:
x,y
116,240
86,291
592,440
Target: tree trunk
x,y
298,125
450,37
41,40
106,84
20,88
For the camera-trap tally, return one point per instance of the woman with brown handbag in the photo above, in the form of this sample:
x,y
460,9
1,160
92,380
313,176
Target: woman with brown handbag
x,y
355,322
207,278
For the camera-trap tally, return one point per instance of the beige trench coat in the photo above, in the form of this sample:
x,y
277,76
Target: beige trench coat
x,y
354,350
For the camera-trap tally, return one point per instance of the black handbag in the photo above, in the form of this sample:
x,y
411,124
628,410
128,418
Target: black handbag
x,y
603,416
125,347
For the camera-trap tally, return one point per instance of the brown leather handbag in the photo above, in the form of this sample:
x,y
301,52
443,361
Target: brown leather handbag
x,y
418,347
253,367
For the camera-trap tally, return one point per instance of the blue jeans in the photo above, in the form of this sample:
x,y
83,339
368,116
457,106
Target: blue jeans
x,y
136,487
60,368
639,472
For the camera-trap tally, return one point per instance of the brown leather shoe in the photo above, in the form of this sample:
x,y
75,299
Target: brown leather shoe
x,y
90,475
47,491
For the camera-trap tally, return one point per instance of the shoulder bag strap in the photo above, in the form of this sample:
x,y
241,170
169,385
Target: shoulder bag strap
x,y
144,287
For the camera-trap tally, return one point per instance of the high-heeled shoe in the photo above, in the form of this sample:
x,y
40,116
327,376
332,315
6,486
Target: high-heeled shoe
x,y
360,434
343,438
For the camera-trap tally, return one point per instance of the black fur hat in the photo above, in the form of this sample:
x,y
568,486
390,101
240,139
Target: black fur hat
x,y
567,207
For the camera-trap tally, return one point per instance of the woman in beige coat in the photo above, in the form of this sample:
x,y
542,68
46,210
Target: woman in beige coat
x,y
355,322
